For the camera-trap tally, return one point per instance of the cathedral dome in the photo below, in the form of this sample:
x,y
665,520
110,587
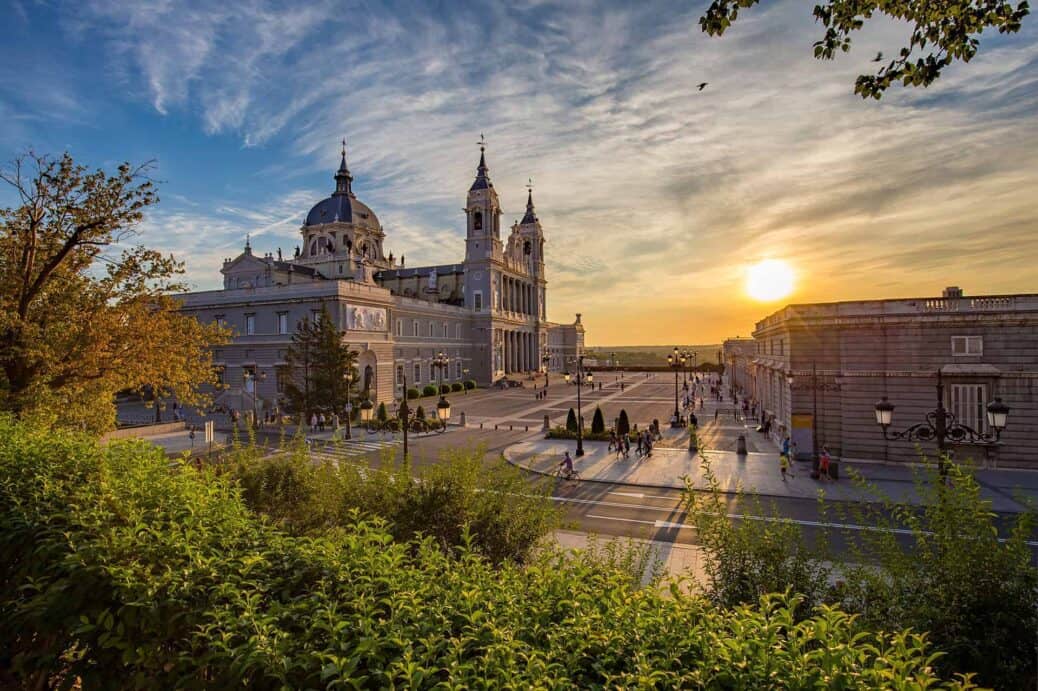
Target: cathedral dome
x,y
343,206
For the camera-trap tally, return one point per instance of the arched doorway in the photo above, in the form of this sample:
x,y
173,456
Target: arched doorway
x,y
367,367
369,380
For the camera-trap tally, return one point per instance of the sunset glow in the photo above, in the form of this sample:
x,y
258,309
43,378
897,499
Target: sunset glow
x,y
769,280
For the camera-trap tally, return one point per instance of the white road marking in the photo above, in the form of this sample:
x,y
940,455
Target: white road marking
x,y
668,524
636,495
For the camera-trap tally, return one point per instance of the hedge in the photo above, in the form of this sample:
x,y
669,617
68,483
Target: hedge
x,y
445,389
428,390
456,387
119,572
470,384
413,393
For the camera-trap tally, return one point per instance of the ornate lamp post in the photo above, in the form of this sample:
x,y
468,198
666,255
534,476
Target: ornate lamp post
x,y
248,376
440,363
546,360
580,418
366,409
347,378
676,360
942,427
443,412
465,376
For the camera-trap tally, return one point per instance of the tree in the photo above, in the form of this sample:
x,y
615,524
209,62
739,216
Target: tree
x,y
80,322
381,414
597,422
318,363
571,420
623,425
942,32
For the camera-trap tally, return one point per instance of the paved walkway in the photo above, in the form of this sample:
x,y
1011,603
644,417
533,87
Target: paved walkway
x,y
758,473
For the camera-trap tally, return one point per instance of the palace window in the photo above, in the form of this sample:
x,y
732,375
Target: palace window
x,y
250,324
315,316
282,322
445,330
414,328
399,375
218,318
457,330
417,373
399,327
477,301
430,330
477,220
457,369
967,345
967,403
281,376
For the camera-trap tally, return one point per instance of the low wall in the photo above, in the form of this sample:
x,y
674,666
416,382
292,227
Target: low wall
x,y
144,431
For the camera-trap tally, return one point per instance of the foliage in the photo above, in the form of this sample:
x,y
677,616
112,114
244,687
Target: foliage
x,y
80,321
122,573
429,390
318,361
623,424
571,420
747,559
470,384
975,594
952,577
413,393
419,413
559,432
457,386
445,389
597,422
942,32
380,413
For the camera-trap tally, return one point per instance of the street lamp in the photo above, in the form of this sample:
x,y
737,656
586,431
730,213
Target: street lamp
x,y
942,427
248,376
465,376
440,363
677,362
580,418
546,360
443,412
347,377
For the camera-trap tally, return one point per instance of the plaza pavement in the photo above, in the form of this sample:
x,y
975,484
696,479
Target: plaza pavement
x,y
758,474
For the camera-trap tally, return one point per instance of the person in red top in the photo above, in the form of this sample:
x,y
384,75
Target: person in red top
x,y
823,464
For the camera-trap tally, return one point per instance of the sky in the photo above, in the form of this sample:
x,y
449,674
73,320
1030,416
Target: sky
x,y
655,197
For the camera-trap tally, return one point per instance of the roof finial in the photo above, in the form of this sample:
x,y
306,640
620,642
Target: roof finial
x,y
342,176
248,245
531,215
482,181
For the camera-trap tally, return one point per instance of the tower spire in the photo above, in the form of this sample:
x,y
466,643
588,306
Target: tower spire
x,y
343,179
482,178
531,215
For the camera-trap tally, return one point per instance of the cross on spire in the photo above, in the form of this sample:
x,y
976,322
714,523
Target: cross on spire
x,y
482,142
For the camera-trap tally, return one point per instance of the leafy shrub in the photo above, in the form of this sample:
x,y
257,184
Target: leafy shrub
x,y
623,425
119,572
413,393
393,424
429,390
419,413
457,386
559,432
381,415
445,389
470,384
571,421
597,422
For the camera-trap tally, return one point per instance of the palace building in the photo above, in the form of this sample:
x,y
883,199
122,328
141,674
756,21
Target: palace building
x,y
488,313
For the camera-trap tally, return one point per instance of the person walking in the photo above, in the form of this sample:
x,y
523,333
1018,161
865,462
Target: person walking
x,y
313,422
641,445
784,465
823,464
627,446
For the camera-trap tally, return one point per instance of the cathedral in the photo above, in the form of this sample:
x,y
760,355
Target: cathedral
x,y
486,314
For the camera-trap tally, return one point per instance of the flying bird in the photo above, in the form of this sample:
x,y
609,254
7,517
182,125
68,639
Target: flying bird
x,y
878,58
703,85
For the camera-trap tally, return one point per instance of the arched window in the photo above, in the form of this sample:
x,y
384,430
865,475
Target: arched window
x,y
527,248
313,248
477,220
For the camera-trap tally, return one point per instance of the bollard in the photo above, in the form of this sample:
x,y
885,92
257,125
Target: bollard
x,y
463,420
546,423
509,428
527,428
481,425
495,426
740,445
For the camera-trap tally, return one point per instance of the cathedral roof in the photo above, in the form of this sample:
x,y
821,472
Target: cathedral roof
x,y
343,206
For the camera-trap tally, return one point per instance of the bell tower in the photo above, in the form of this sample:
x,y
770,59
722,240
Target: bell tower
x,y
483,214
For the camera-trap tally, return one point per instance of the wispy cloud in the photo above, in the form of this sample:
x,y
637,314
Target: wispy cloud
x,y
654,195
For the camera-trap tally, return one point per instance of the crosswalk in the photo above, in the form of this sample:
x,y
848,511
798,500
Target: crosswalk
x,y
345,450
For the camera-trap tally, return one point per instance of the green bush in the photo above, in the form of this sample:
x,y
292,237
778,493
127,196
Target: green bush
x,y
623,425
419,413
429,390
119,572
563,433
413,393
457,386
381,415
445,389
571,421
470,384
955,577
597,422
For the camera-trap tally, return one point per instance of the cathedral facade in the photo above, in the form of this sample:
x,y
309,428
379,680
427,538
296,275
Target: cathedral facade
x,y
487,314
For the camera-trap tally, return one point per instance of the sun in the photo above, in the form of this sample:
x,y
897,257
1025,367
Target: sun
x,y
769,280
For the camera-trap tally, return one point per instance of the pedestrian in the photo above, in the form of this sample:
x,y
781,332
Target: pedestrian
x,y
641,445
612,441
313,422
648,445
784,466
627,446
823,464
